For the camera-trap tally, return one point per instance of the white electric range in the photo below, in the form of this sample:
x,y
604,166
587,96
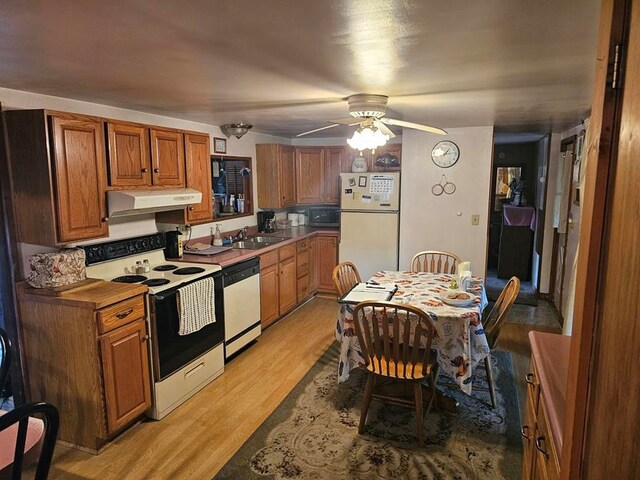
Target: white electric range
x,y
181,364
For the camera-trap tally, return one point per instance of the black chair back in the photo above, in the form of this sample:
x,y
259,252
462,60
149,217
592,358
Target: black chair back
x,y
21,415
5,358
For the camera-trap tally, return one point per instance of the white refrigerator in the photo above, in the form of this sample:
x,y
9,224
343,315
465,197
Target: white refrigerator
x,y
369,221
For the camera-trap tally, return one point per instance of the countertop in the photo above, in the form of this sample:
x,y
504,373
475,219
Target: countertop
x,y
551,354
99,295
235,255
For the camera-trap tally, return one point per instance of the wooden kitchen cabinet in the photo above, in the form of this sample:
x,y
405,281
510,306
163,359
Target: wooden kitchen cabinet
x,y
275,172
125,369
58,178
287,284
198,166
303,269
327,258
318,175
167,157
269,291
545,393
309,175
314,277
99,382
129,154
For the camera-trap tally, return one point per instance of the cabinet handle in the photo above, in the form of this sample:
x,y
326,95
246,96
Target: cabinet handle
x,y
191,209
144,170
156,170
125,313
528,378
105,219
539,441
523,429
145,338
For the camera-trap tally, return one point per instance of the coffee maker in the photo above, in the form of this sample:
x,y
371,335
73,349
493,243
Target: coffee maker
x,y
266,221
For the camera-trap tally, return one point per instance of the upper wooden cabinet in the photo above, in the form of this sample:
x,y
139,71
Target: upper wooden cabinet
x,y
318,174
57,164
309,175
129,155
198,166
167,157
142,156
276,175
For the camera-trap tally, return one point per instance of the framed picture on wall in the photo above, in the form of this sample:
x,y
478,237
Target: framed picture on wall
x,y
219,145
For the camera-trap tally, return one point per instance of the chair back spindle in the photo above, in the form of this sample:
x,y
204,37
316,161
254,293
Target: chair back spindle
x,y
434,261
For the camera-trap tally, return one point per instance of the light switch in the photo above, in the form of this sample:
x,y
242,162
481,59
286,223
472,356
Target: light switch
x,y
475,219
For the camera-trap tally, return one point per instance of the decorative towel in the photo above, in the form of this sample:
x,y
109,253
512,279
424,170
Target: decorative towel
x,y
196,306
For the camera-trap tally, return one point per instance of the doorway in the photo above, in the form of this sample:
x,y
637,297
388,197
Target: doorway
x,y
515,204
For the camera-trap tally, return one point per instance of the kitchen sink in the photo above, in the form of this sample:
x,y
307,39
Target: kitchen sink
x,y
256,243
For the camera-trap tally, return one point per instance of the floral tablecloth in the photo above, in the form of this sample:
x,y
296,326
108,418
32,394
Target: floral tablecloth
x,y
459,337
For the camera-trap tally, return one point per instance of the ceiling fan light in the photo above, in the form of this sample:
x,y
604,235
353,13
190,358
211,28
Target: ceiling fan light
x,y
235,129
367,137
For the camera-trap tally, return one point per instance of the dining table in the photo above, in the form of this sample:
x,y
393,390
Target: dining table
x,y
459,339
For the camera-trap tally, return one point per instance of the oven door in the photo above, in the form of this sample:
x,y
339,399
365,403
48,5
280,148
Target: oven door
x,y
172,351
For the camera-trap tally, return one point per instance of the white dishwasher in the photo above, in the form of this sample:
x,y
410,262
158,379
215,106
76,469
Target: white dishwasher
x,y
241,284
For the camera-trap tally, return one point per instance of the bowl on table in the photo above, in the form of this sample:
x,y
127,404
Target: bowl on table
x,y
457,298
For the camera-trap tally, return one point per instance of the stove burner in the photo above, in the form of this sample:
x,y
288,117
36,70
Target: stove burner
x,y
165,268
129,279
155,282
188,270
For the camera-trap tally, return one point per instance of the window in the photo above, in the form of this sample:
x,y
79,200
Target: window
x,y
232,187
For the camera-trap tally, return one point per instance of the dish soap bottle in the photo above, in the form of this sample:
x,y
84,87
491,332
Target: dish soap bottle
x,y
217,237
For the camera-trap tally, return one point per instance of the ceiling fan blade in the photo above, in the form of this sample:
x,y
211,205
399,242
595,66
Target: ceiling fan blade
x,y
383,128
348,121
416,126
318,129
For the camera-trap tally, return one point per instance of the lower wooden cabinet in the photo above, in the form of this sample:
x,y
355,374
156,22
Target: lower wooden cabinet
x,y
288,287
269,289
314,271
125,370
327,258
87,353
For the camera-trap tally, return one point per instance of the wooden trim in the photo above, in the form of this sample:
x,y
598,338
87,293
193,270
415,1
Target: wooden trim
x,y
601,156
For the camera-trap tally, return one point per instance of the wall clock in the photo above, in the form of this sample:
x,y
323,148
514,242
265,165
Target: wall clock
x,y
445,154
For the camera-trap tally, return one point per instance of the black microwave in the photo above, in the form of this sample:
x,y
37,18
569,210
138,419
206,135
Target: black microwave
x,y
324,217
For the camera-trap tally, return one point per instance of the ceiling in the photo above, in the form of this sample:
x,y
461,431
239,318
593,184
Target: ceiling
x,y
287,65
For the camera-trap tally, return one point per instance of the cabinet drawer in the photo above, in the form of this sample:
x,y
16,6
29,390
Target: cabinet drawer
x,y
287,251
302,246
303,288
302,262
533,385
121,313
268,259
545,452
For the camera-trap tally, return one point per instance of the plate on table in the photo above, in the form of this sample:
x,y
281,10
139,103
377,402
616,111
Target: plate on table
x,y
457,298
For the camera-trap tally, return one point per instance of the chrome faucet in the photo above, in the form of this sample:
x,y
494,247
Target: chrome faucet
x,y
241,235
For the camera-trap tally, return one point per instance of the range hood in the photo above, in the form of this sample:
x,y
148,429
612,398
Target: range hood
x,y
135,202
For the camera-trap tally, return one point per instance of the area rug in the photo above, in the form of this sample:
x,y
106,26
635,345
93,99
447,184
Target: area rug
x,y
313,434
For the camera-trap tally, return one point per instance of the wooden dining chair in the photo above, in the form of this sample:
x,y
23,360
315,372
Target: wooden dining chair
x,y
396,344
434,261
492,323
5,358
345,275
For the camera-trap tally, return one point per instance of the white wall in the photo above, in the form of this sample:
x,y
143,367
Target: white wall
x,y
140,225
428,222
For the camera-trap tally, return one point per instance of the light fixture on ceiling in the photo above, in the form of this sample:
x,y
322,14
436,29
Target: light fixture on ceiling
x,y
235,129
367,136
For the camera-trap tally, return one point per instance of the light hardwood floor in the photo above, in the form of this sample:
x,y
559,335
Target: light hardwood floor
x,y
198,438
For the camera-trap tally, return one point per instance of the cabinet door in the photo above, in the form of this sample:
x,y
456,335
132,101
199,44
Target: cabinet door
x,y
288,287
334,157
79,164
198,169
314,278
125,366
328,259
287,176
310,175
167,158
129,155
269,297
528,432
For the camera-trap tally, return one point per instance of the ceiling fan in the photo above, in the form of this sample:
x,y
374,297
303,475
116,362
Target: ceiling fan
x,y
368,111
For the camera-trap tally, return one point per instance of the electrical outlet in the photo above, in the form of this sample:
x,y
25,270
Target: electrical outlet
x,y
475,219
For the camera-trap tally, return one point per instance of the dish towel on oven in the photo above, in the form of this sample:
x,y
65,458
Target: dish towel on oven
x,y
196,306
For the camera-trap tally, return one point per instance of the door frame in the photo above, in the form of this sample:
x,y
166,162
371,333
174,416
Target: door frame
x,y
564,143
